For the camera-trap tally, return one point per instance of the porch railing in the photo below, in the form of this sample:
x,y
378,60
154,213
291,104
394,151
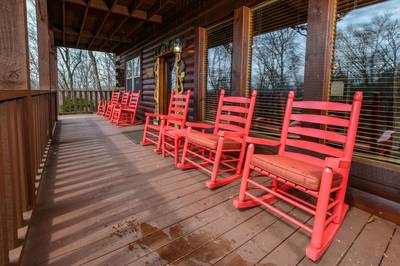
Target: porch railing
x,y
27,120
78,102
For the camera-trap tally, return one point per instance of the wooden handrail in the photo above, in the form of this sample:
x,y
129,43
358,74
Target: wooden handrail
x,y
27,121
6,95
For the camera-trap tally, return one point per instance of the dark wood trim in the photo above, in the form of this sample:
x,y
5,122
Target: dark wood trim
x,y
200,52
241,52
319,50
377,205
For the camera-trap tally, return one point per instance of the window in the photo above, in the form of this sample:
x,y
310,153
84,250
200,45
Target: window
x,y
133,79
367,58
219,66
277,60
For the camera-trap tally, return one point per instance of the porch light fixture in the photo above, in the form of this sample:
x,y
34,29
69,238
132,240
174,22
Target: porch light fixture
x,y
178,45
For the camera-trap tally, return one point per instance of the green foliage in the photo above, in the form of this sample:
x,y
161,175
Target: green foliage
x,y
76,103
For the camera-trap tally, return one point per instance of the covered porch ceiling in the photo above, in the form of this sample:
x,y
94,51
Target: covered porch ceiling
x,y
111,25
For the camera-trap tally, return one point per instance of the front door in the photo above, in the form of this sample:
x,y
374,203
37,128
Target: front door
x,y
167,80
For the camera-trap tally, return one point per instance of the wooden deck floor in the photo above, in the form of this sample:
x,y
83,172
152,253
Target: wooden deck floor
x,y
106,200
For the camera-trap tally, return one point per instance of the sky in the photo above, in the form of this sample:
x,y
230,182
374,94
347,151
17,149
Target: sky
x,y
364,15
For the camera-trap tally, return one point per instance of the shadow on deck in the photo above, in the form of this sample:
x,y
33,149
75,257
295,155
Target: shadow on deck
x,y
106,200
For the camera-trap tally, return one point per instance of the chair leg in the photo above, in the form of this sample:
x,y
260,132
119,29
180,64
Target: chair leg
x,y
119,113
159,139
177,144
181,165
218,154
319,240
162,145
238,203
340,208
144,142
241,158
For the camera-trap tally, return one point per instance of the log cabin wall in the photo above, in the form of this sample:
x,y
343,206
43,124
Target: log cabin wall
x,y
148,58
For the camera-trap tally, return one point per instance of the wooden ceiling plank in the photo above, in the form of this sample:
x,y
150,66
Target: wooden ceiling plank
x,y
132,11
158,6
113,2
83,23
115,31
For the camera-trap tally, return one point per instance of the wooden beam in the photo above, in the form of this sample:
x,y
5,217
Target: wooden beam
x,y
64,20
44,43
158,6
14,67
241,51
88,34
114,32
200,49
113,2
118,9
319,49
83,23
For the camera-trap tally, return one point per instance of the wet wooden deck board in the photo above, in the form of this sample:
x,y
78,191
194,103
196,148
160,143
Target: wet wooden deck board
x,y
106,200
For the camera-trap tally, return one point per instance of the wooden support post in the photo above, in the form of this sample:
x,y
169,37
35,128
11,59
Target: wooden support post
x,y
14,73
43,44
319,50
3,220
200,51
241,51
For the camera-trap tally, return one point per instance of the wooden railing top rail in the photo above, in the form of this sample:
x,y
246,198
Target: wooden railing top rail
x,y
6,95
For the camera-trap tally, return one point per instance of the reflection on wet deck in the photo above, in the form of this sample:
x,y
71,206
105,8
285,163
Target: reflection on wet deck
x,y
106,200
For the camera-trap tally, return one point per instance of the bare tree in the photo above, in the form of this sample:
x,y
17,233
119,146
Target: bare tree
x,y
95,70
71,60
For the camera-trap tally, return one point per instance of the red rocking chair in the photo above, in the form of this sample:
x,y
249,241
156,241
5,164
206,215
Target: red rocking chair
x,y
124,103
322,179
114,101
102,107
224,147
176,118
124,115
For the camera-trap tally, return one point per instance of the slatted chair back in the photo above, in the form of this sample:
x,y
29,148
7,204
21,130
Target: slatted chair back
x,y
340,133
115,97
125,98
235,113
178,108
134,100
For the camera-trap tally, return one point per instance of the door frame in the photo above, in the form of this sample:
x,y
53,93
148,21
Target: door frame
x,y
162,81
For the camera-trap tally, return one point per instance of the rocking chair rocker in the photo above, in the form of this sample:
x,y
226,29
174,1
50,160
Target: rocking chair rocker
x,y
298,165
224,147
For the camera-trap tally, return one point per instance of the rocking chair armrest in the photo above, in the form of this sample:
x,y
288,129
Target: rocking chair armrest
x,y
231,134
199,125
264,142
336,163
153,115
171,118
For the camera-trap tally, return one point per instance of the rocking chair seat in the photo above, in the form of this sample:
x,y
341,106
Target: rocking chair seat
x,y
211,140
299,172
176,132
